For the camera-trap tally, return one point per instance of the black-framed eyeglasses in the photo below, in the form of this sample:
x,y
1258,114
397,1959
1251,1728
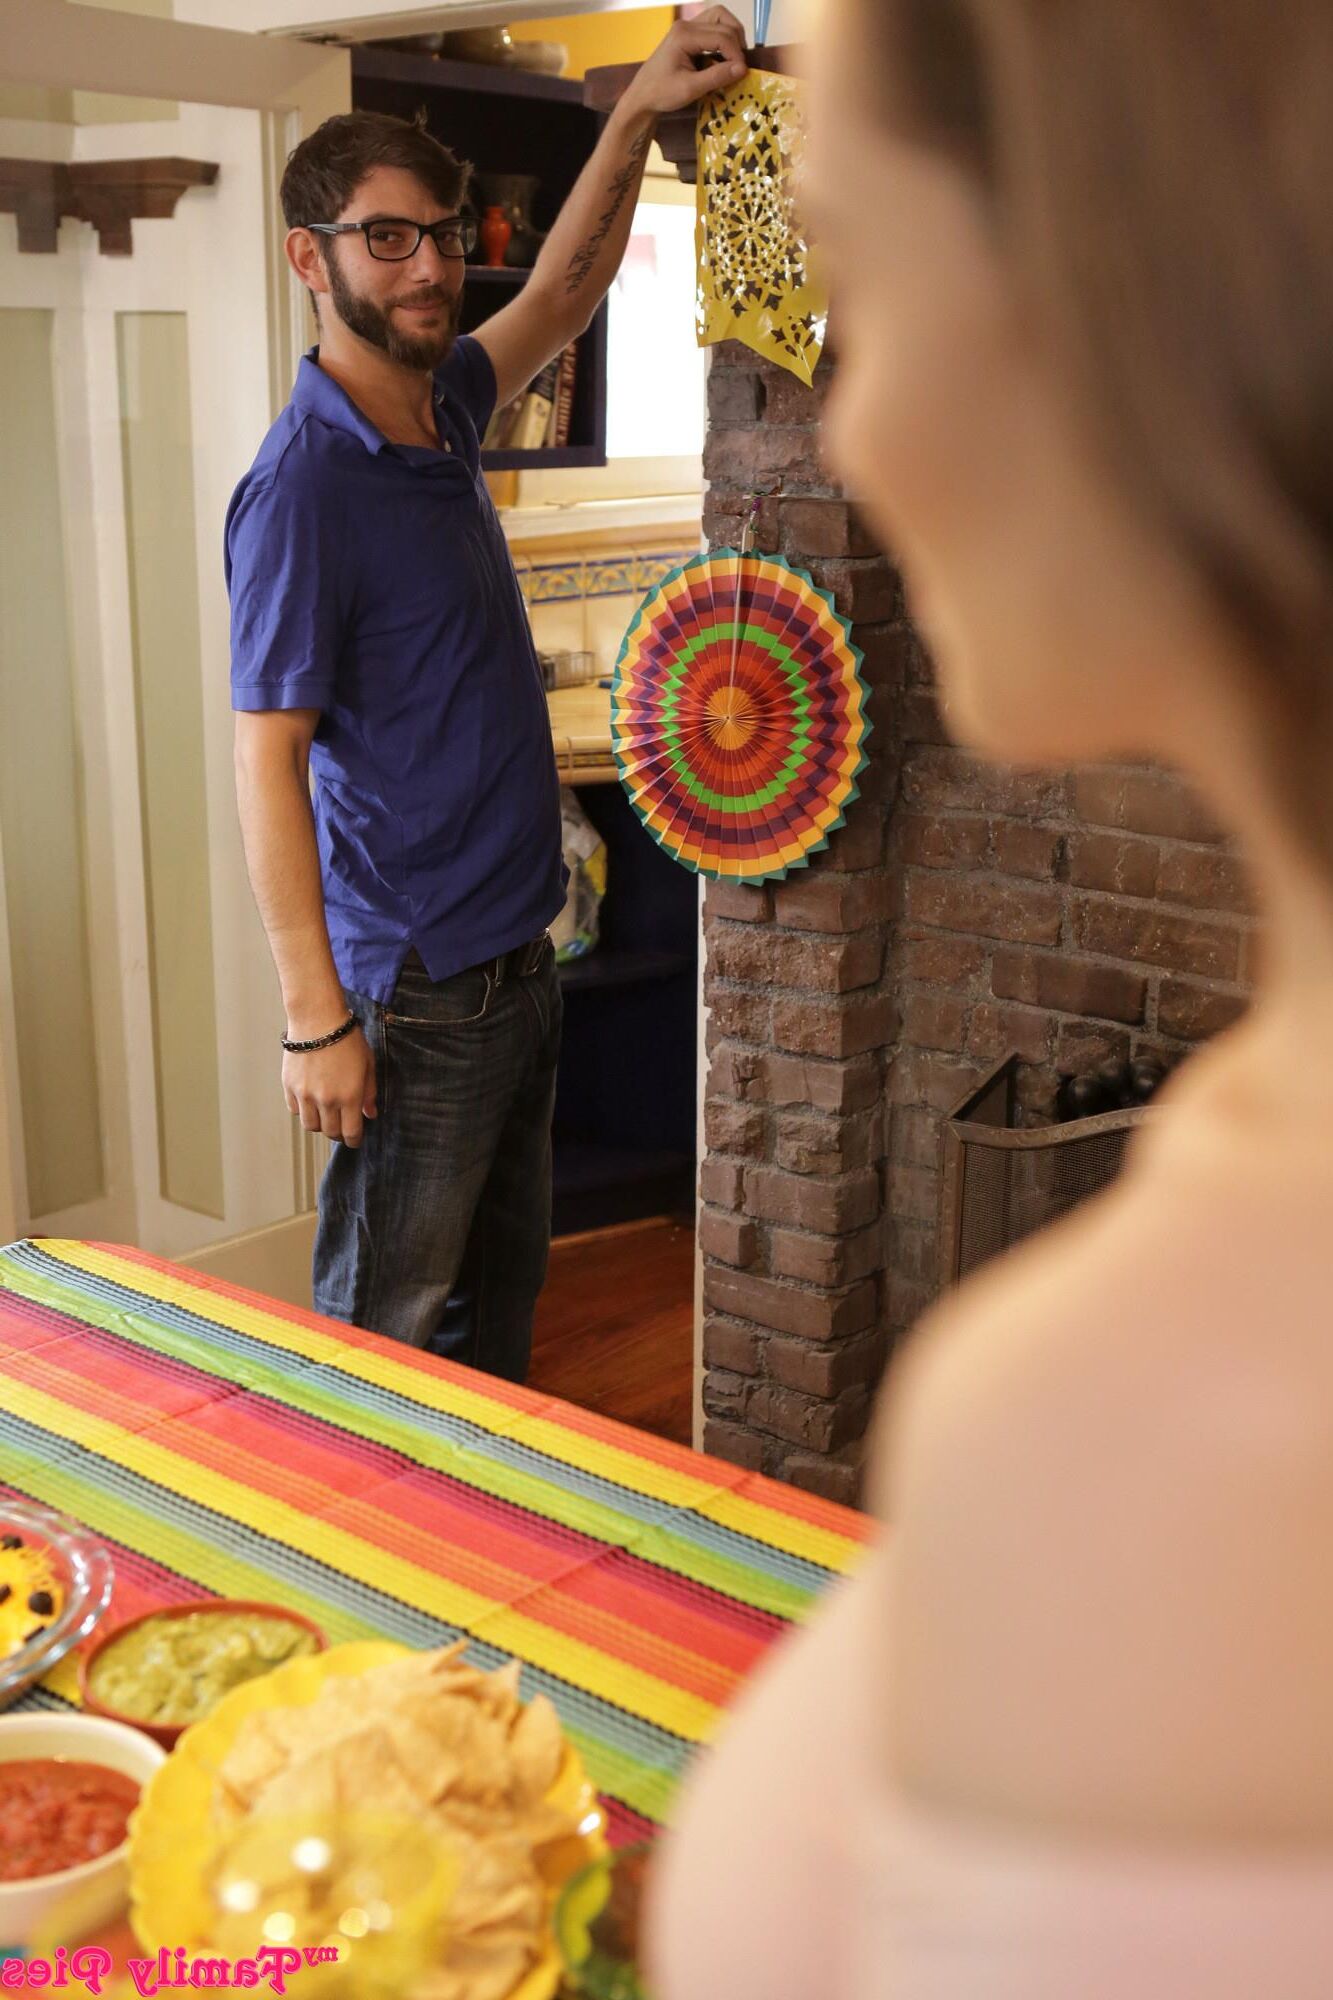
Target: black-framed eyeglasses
x,y
393,239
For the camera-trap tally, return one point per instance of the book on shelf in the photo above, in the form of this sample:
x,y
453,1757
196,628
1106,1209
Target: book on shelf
x,y
562,409
564,401
529,432
542,417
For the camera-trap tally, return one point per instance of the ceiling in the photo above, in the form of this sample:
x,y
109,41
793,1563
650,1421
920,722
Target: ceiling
x,y
389,17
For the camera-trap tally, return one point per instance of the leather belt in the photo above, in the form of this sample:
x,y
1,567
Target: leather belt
x,y
520,963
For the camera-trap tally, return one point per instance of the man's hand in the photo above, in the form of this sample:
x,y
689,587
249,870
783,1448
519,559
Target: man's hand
x,y
332,1090
670,79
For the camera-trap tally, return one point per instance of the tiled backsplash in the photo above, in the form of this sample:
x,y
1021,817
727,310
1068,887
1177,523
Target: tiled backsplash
x,y
584,600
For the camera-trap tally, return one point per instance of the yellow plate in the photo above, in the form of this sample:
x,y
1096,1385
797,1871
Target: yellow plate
x,y
171,1841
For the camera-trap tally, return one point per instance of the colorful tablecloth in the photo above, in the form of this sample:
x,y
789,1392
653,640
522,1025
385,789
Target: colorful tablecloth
x,y
222,1443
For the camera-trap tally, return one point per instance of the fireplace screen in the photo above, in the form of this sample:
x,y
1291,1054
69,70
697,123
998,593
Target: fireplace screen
x,y
1001,1184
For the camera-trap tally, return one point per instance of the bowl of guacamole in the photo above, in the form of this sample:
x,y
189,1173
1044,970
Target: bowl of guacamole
x,y
170,1668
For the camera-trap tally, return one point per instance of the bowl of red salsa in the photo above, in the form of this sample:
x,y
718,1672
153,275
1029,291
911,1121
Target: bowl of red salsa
x,y
68,1785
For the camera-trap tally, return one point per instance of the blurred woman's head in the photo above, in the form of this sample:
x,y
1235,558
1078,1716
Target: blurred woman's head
x,y
1083,264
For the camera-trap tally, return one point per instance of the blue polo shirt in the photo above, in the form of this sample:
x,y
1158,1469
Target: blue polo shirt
x,y
373,582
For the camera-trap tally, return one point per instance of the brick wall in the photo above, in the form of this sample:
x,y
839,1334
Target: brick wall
x,y
965,911
1072,918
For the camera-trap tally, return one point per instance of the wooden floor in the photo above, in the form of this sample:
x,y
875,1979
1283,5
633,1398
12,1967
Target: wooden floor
x,y
615,1327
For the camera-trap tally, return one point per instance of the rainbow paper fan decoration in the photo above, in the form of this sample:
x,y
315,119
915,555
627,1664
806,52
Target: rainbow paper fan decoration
x,y
738,716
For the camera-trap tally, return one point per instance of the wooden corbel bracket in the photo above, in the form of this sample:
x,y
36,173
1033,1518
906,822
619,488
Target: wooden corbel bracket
x,y
106,193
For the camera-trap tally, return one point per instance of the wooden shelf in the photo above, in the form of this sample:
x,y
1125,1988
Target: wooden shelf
x,y
598,1186
624,1127
106,193
551,460
677,134
606,968
584,1165
505,121
411,66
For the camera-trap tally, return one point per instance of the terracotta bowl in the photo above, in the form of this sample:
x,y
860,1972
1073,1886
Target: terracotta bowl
x,y
166,1733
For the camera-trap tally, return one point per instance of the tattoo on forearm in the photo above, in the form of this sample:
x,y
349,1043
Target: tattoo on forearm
x,y
584,260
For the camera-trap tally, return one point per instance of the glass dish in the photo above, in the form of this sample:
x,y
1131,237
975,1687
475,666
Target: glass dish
x,y
83,1566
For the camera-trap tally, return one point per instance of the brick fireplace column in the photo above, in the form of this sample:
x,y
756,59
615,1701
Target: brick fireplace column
x,y
802,1020
799,980
965,912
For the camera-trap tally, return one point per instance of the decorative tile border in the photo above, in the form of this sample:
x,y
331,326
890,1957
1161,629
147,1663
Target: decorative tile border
x,y
618,576
650,570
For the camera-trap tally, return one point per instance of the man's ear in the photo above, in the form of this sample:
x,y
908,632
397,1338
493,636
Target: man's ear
x,y
306,259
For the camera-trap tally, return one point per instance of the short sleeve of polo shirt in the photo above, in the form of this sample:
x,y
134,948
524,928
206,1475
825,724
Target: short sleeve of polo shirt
x,y
284,578
468,376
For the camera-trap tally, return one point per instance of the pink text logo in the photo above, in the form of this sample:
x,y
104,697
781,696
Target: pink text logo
x,y
91,1967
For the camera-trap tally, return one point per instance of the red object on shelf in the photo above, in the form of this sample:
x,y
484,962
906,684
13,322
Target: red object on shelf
x,y
496,231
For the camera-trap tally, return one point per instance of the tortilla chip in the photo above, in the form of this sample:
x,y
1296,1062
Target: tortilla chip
x,y
536,1746
258,1755
431,1765
432,1739
303,1790
501,1689
476,1972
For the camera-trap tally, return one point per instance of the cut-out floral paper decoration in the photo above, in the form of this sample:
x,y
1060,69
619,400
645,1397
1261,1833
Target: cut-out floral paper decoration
x,y
756,283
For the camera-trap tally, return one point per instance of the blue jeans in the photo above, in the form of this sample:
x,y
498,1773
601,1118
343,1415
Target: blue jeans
x,y
436,1229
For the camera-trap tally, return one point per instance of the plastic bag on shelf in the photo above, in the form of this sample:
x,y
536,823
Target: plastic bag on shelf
x,y
576,930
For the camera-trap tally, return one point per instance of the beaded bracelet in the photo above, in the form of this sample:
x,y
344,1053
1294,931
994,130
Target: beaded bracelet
x,y
325,1041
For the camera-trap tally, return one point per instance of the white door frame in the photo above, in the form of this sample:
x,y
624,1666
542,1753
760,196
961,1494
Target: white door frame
x,y
295,85
60,46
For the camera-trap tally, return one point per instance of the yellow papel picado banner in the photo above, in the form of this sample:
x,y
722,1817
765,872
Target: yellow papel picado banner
x,y
755,278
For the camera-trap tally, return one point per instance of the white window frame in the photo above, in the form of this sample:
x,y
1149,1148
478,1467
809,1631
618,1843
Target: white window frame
x,y
679,480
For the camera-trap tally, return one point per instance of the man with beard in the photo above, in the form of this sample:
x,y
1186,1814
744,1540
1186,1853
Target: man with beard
x,y
380,642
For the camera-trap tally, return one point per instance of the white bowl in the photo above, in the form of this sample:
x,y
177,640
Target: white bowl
x,y
82,1739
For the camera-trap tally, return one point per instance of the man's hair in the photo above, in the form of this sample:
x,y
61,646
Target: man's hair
x,y
326,169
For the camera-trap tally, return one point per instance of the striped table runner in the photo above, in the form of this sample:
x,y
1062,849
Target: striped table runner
x,y
221,1443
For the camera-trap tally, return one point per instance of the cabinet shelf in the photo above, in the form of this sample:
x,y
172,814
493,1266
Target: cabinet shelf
x,y
552,460
605,968
625,1109
412,69
598,1186
505,121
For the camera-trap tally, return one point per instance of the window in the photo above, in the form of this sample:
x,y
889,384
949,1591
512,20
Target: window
x,y
655,388
656,396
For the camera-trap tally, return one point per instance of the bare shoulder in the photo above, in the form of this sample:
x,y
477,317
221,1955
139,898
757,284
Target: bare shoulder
x,y
1108,1469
